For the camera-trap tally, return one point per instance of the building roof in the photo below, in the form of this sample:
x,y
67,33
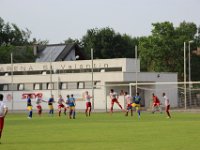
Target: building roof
x,y
56,52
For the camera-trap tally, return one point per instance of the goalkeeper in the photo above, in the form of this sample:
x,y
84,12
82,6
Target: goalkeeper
x,y
156,104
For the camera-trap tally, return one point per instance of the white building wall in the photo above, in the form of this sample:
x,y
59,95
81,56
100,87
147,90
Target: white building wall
x,y
101,97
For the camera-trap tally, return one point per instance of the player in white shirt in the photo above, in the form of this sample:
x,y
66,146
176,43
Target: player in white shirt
x,y
61,105
3,113
87,98
39,106
167,105
129,102
114,99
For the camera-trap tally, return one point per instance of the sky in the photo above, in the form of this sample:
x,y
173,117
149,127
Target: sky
x,y
58,20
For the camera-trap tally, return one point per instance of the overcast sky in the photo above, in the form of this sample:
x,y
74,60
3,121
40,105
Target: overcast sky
x,y
57,20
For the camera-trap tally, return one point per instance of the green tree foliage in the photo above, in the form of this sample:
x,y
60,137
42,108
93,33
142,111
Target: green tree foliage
x,y
108,44
15,40
20,54
163,50
10,34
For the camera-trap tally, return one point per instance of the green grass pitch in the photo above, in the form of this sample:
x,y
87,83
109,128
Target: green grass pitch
x,y
102,131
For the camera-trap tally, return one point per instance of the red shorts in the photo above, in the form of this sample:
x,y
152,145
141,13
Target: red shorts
x,y
114,101
61,106
39,107
129,107
167,108
156,104
1,123
88,104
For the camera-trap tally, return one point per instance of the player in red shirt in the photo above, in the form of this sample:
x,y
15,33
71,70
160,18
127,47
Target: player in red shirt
x,y
156,104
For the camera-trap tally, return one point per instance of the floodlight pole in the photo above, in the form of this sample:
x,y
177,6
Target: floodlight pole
x,y
185,75
51,72
136,70
92,70
189,69
11,56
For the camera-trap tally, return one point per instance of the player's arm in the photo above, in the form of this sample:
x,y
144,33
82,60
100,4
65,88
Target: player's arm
x,y
44,101
5,111
110,96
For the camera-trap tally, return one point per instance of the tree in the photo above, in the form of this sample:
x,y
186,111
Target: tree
x,y
108,44
15,40
163,50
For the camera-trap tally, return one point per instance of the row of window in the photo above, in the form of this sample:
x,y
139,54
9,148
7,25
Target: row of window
x,y
49,86
60,71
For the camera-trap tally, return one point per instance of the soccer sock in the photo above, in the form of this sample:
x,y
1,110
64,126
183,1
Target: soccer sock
x,y
168,114
30,114
86,112
89,111
70,113
111,109
74,113
59,112
139,113
65,111
40,111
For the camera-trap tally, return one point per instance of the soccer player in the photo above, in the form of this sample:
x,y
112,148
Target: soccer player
x,y
87,98
128,99
29,107
71,103
61,105
50,104
136,103
156,104
39,107
114,99
167,105
3,113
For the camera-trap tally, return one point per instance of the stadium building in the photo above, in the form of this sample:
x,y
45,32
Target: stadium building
x,y
75,77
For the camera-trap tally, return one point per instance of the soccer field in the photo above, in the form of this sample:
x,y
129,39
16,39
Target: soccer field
x,y
102,131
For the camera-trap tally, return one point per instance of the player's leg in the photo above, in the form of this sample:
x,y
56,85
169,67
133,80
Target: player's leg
x,y
167,111
49,109
74,113
59,110
40,111
30,112
153,108
138,110
39,108
90,108
131,111
70,112
1,125
65,110
111,108
127,110
119,104
86,109
160,108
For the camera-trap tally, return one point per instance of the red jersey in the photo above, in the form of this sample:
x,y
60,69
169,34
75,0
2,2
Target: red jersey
x,y
155,100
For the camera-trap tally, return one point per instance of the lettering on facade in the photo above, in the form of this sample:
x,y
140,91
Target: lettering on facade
x,y
46,67
32,95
